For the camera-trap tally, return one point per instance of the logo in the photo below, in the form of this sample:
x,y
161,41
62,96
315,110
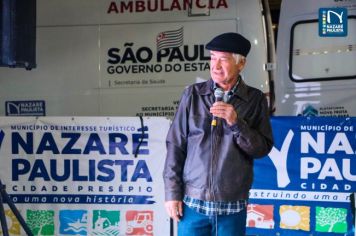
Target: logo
x,y
106,222
279,159
25,108
41,222
332,22
170,39
331,220
304,158
310,111
295,217
260,216
139,223
171,55
73,222
13,224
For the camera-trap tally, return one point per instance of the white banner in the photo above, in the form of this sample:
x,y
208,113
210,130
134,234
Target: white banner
x,y
85,175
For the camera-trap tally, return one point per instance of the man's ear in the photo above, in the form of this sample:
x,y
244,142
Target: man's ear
x,y
241,64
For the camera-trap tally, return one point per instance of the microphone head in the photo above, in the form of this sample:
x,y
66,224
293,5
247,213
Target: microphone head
x,y
219,94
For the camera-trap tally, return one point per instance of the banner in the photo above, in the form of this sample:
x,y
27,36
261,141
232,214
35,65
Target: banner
x,y
103,176
85,175
304,185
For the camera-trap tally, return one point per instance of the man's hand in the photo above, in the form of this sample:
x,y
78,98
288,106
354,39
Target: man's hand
x,y
174,209
225,111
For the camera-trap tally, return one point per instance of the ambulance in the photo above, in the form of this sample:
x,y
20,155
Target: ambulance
x,y
316,58
130,57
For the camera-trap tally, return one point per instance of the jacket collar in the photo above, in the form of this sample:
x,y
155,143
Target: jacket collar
x,y
241,90
207,88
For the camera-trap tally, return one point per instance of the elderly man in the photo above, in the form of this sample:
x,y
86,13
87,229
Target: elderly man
x,y
212,143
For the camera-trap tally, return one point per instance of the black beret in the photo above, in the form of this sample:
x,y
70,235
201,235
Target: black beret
x,y
230,42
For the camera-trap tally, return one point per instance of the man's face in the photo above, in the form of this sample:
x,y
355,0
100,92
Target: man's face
x,y
223,68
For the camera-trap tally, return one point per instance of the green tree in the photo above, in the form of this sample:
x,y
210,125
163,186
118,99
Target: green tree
x,y
330,216
37,220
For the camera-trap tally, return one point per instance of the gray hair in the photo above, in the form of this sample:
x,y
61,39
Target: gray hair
x,y
238,57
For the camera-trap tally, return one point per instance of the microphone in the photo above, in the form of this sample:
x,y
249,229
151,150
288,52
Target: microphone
x,y
219,94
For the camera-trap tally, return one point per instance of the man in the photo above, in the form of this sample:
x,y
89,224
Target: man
x,y
209,168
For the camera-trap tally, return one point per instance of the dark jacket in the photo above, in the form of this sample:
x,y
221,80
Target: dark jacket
x,y
215,164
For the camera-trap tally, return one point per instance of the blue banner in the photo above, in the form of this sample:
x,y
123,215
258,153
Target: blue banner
x,y
84,175
304,185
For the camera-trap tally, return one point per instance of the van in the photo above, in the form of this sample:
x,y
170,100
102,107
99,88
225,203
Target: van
x,y
129,57
316,71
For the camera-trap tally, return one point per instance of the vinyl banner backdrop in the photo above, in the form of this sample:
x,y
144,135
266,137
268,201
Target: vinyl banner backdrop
x,y
303,187
85,175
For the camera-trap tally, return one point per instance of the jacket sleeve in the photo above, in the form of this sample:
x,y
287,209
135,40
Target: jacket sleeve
x,y
256,138
176,144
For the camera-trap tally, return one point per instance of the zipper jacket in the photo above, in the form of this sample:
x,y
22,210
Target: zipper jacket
x,y
215,163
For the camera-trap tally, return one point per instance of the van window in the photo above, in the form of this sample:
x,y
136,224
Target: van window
x,y
315,58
